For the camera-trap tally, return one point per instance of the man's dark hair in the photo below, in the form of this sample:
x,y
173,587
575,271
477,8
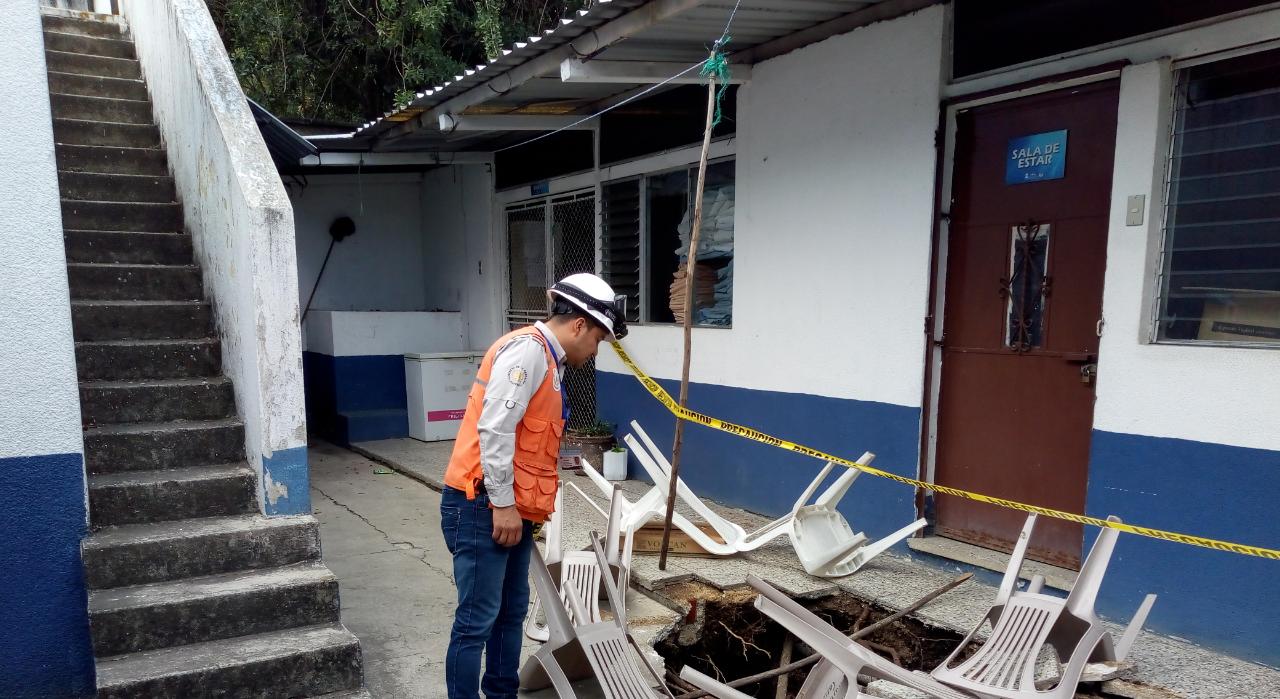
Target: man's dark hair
x,y
569,312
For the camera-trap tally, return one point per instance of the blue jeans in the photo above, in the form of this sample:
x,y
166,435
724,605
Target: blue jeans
x,y
493,598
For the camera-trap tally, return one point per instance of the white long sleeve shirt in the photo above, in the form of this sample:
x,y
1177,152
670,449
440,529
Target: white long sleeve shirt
x,y
519,368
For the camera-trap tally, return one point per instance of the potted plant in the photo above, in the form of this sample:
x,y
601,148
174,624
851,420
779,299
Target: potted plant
x,y
591,441
615,464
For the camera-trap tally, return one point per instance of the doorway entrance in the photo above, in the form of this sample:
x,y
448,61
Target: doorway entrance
x,y
1026,253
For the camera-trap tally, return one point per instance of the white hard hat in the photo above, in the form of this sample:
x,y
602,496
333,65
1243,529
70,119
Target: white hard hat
x,y
594,295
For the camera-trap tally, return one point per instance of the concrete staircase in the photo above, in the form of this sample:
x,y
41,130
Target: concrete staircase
x,y
192,592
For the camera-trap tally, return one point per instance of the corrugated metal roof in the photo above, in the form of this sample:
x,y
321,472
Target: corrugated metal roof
x,y
758,31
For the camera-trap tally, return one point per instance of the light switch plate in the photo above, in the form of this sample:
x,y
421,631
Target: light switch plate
x,y
1136,208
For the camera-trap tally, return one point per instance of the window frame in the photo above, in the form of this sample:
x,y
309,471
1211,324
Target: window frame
x,y
645,238
1159,273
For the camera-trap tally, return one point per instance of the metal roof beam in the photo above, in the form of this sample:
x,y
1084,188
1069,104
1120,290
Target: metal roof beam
x,y
513,122
548,63
574,70
350,159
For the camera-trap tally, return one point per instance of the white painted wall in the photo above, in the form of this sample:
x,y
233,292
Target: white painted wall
x,y
423,242
39,400
237,212
833,226
1209,394
380,268
356,334
463,249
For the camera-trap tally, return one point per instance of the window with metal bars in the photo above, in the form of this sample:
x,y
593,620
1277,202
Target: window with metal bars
x,y
647,224
1220,260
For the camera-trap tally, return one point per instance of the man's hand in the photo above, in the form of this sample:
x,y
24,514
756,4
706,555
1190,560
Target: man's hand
x,y
507,525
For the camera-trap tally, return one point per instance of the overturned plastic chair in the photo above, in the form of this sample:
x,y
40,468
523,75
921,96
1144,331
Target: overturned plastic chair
x,y
821,536
577,570
836,675
575,651
1026,623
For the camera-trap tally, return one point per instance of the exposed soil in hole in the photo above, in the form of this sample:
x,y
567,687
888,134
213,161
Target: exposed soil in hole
x,y
725,637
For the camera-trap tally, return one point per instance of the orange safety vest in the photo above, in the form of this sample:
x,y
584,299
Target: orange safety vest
x,y
537,438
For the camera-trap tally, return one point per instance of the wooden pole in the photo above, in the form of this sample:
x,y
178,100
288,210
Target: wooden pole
x,y
688,321
863,633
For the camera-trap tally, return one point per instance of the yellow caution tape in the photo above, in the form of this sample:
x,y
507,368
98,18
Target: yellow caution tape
x,y
757,436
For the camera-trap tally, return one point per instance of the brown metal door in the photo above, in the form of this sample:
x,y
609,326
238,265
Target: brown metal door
x,y
1022,316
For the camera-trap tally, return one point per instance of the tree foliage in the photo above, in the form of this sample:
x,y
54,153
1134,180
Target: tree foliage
x,y
351,60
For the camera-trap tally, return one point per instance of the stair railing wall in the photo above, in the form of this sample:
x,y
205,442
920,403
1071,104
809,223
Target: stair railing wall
x,y
241,223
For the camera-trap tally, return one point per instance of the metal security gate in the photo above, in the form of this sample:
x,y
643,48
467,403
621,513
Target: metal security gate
x,y
560,229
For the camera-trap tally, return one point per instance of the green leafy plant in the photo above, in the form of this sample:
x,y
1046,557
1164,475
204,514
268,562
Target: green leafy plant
x,y
350,60
619,450
599,428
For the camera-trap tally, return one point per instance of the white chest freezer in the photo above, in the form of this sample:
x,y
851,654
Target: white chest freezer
x,y
437,385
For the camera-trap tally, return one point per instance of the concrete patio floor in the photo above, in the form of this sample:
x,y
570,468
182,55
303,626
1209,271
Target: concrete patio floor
x,y
381,537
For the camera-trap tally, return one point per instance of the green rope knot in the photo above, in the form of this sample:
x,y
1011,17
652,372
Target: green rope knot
x,y
717,67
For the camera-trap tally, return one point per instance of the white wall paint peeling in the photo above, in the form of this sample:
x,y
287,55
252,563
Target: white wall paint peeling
x,y
39,401
1209,394
237,212
833,225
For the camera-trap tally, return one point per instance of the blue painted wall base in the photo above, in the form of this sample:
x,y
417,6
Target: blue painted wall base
x,y
767,480
1221,600
286,482
45,650
355,399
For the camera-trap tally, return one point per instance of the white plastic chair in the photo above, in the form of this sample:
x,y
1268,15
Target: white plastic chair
x,y
825,681
1025,623
576,651
844,658
821,536
576,570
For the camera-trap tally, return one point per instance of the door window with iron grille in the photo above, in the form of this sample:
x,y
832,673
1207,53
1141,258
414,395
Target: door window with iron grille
x,y
549,239
1220,260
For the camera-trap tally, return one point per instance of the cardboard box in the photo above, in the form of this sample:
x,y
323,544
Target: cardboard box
x,y
649,540
1242,319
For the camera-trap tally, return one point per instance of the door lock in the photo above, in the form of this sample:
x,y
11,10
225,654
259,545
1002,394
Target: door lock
x,y
1088,372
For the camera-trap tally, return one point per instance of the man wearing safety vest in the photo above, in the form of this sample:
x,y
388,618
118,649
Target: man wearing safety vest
x,y
502,477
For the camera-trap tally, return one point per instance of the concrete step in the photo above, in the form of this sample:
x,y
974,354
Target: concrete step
x,y
97,86
133,497
139,360
109,402
101,66
124,247
79,132
195,610
96,186
100,109
120,282
83,27
289,663
121,216
136,554
112,159
93,321
114,47
146,446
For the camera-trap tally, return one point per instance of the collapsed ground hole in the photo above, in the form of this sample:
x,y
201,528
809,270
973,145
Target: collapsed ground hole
x,y
725,637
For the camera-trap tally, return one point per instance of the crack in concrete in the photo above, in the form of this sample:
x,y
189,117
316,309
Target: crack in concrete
x,y
399,545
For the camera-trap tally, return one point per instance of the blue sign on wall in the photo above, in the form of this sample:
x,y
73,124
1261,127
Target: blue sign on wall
x,y
1038,157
